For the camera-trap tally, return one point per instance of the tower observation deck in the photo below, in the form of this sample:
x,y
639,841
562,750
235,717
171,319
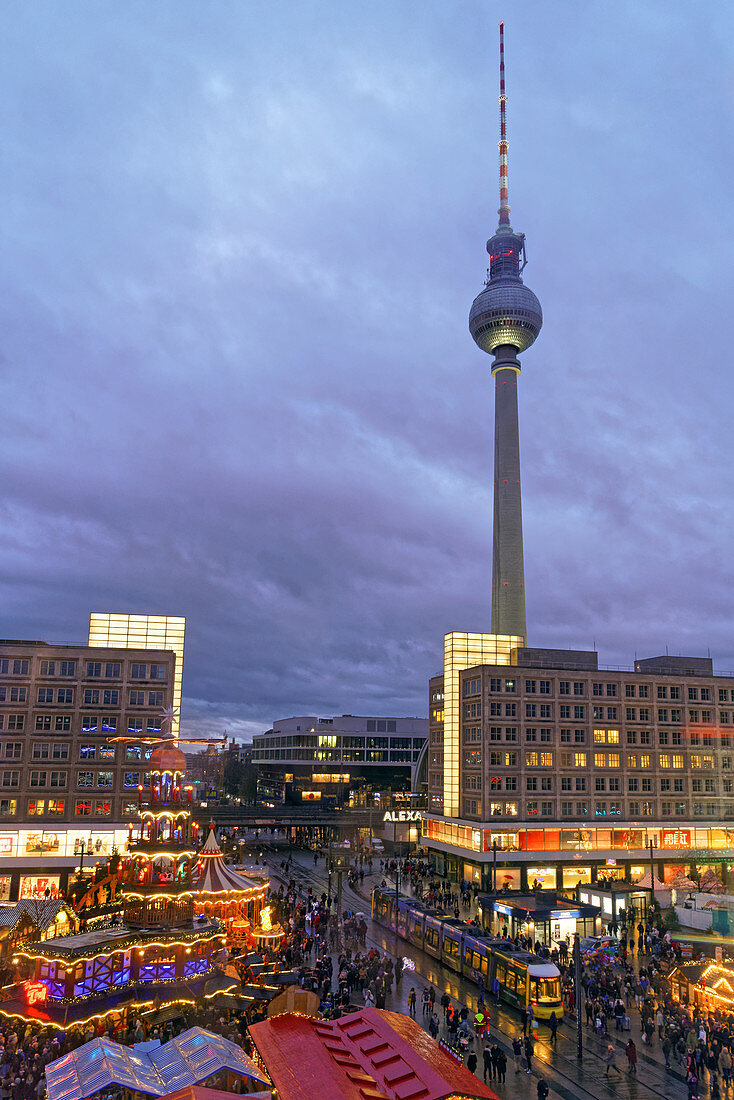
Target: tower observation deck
x,y
504,320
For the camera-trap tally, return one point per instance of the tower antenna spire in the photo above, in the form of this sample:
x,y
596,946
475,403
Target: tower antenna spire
x,y
504,208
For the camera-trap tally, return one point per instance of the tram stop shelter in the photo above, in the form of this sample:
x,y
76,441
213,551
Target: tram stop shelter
x,y
372,1054
542,915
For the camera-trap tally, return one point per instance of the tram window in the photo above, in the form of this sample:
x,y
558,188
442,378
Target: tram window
x,y
451,947
432,937
543,990
500,973
509,982
484,965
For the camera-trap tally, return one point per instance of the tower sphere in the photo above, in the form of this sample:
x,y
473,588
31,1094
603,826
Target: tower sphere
x,y
505,312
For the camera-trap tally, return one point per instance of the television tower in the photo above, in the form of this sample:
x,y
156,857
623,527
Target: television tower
x,y
505,319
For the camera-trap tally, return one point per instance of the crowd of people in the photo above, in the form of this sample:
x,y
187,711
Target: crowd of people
x,y
626,996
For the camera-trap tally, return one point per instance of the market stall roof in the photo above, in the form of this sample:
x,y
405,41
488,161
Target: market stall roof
x,y
371,1054
191,1057
215,877
644,883
42,912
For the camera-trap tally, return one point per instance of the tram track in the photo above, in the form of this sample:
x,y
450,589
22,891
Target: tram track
x,y
562,1070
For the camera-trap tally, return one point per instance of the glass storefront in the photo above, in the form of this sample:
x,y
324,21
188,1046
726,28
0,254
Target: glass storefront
x,y
543,877
579,839
575,874
35,886
4,887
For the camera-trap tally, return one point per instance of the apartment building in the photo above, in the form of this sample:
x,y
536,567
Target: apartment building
x,y
572,772
65,786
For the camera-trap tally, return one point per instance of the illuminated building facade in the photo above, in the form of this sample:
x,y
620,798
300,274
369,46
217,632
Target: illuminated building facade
x,y
571,770
157,632
65,790
309,758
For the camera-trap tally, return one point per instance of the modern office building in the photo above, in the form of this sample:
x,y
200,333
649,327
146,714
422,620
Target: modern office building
x,y
115,631
541,766
65,788
309,758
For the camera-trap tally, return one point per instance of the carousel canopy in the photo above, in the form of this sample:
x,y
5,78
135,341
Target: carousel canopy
x,y
215,877
191,1057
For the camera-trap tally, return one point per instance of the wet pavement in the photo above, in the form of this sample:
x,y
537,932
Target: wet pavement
x,y
567,1076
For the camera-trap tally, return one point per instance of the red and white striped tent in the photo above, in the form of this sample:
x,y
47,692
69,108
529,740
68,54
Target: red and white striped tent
x,y
221,891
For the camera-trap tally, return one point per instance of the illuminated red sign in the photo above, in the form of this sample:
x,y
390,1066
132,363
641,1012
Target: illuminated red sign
x,y
35,992
676,838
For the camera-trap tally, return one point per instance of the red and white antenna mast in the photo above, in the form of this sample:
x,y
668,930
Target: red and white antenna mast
x,y
504,209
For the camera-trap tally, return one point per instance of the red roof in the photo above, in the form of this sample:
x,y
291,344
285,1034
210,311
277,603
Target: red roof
x,y
368,1055
198,1092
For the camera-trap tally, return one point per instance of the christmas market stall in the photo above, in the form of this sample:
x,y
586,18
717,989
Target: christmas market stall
x,y
367,1055
194,1056
707,985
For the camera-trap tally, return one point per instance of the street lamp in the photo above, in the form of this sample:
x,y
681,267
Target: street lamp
x,y
653,843
577,993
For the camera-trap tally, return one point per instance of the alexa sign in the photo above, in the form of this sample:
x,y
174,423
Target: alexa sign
x,y
402,815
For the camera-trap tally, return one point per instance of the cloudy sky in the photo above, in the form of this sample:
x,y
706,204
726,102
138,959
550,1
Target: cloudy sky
x,y
240,243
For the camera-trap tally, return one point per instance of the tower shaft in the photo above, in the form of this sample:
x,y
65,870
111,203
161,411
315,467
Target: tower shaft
x,y
508,569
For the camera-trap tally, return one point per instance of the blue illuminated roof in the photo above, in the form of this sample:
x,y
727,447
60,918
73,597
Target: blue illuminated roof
x,y
186,1060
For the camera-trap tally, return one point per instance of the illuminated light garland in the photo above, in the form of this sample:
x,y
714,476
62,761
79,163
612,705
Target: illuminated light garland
x,y
76,1023
149,897
132,984
165,852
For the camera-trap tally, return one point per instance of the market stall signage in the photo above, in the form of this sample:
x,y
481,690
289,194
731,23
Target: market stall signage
x,y
402,815
35,992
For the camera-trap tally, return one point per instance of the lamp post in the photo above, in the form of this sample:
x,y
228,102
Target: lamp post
x,y
577,993
397,902
653,843
494,867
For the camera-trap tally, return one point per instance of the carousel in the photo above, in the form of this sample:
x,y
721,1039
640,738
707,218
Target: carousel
x,y
231,898
161,954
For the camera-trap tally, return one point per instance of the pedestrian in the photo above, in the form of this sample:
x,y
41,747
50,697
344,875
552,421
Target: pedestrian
x,y
434,1024
553,1025
500,1064
471,1062
487,1058
543,1089
610,1060
411,1001
517,1053
496,989
529,1051
631,1052
426,1001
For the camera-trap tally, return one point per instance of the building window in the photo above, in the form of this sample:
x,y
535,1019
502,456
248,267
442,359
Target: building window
x,y
85,779
82,807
